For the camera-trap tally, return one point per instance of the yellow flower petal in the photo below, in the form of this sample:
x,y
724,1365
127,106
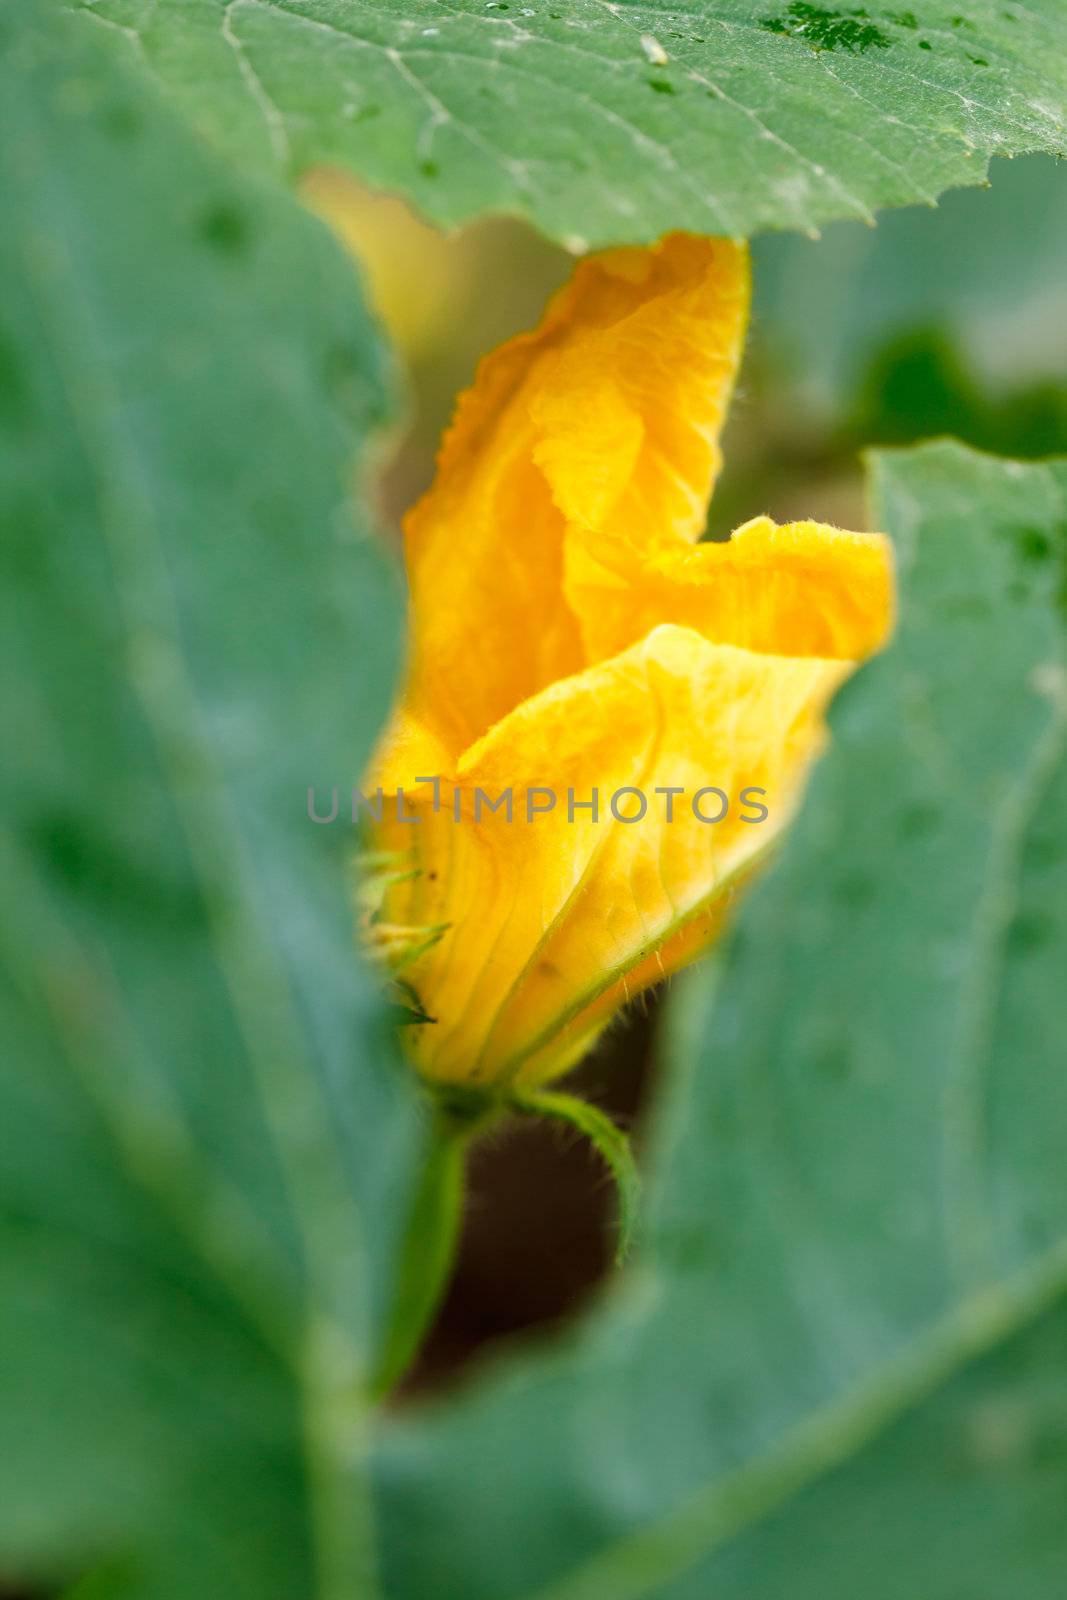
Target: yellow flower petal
x,y
607,416
803,589
570,636
549,915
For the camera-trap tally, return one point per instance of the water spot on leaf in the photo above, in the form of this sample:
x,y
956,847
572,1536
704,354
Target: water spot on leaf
x,y
429,169
855,890
824,29
904,19
970,607
1030,930
346,380
918,820
96,869
1033,544
924,44
691,1246
226,228
834,1063
1001,1434
661,86
13,390
1049,679
1046,848
1034,547
121,121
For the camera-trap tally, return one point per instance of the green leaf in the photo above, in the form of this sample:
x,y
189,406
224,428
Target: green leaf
x,y
204,1143
604,122
836,1367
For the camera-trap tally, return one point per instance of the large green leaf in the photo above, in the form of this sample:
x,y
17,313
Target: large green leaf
x,y
837,1366
204,1139
603,121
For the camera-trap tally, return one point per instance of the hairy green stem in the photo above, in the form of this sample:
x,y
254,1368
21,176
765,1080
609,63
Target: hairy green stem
x,y
429,1247
609,1141
434,1222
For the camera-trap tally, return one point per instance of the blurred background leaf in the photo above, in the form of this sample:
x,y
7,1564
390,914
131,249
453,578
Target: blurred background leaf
x,y
950,321
204,1140
603,123
827,1373
985,270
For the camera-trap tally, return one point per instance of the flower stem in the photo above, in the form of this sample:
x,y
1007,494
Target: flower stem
x,y
609,1141
429,1248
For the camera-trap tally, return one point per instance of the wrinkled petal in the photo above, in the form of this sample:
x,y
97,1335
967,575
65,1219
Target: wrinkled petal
x,y
803,589
570,634
552,922
607,418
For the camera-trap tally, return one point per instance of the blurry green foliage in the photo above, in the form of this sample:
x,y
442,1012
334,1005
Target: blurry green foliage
x,y
204,1140
984,268
920,387
936,322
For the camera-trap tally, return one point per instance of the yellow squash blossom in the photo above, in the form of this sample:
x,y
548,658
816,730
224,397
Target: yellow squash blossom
x,y
570,635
